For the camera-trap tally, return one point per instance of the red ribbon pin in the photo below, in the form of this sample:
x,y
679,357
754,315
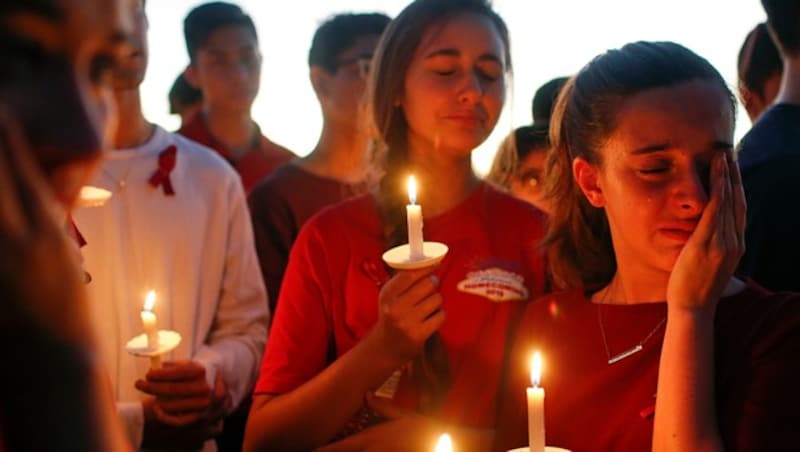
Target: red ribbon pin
x,y
166,163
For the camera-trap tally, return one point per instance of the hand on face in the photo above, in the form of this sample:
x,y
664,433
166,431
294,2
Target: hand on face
x,y
707,261
409,312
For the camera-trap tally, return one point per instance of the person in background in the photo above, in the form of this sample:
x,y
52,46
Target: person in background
x,y
184,99
177,223
225,64
519,163
653,344
55,105
336,169
769,156
760,69
430,341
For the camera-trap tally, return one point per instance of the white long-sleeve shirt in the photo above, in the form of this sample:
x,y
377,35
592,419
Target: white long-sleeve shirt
x,y
195,249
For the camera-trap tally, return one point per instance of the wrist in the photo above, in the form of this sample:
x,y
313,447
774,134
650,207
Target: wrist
x,y
691,319
382,355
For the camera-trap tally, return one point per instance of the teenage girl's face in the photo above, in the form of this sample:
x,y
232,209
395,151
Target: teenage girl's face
x,y
653,182
55,80
455,85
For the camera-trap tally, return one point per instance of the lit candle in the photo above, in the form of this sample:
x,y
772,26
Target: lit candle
x,y
149,320
445,444
92,196
414,218
536,406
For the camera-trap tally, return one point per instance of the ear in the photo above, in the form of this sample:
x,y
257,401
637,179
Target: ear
x,y
586,175
190,73
320,81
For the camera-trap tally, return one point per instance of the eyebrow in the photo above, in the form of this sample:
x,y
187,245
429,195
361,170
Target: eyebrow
x,y
44,8
452,52
119,37
718,144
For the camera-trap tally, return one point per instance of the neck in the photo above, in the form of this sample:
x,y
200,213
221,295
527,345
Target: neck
x,y
136,130
634,284
637,285
431,168
234,130
790,84
340,154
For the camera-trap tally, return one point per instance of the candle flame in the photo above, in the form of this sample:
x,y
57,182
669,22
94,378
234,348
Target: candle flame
x,y
536,369
412,189
150,300
445,444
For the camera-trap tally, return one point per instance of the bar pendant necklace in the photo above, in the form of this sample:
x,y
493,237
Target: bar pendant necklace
x,y
629,352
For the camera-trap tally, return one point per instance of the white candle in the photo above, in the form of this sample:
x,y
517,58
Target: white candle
x,y
445,444
536,406
414,218
149,321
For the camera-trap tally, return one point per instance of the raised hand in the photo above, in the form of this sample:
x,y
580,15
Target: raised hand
x,y
705,265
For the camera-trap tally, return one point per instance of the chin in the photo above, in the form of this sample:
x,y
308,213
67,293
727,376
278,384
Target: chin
x,y
462,144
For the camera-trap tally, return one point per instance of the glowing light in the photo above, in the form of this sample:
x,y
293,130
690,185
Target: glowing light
x,y
536,369
445,444
412,189
150,300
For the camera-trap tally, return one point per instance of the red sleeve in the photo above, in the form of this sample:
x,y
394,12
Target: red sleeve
x,y
761,393
301,334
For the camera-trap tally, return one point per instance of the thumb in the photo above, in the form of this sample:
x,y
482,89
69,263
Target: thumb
x,y
386,408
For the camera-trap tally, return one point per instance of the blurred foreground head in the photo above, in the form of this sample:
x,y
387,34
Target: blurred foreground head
x,y
56,58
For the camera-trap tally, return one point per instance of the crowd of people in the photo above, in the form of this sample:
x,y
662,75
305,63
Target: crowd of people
x,y
622,233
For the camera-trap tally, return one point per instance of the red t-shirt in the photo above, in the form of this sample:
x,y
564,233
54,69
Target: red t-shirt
x,y
329,297
257,163
279,206
591,405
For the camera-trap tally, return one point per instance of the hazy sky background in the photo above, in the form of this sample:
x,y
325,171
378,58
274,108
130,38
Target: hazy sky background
x,y
548,39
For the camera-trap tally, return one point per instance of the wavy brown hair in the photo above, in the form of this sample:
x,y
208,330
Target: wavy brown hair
x,y
393,56
578,239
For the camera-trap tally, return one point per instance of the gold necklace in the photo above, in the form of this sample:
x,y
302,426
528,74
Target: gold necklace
x,y
629,352
120,183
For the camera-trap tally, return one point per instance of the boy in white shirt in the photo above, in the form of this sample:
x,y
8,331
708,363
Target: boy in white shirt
x,y
177,223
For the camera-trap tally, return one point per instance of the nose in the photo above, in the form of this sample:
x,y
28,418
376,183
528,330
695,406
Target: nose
x,y
691,194
470,88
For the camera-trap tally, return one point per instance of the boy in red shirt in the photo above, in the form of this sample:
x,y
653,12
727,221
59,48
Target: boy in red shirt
x,y
339,61
225,64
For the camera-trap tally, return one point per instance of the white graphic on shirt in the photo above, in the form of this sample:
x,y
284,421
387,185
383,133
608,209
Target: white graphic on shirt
x,y
495,284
